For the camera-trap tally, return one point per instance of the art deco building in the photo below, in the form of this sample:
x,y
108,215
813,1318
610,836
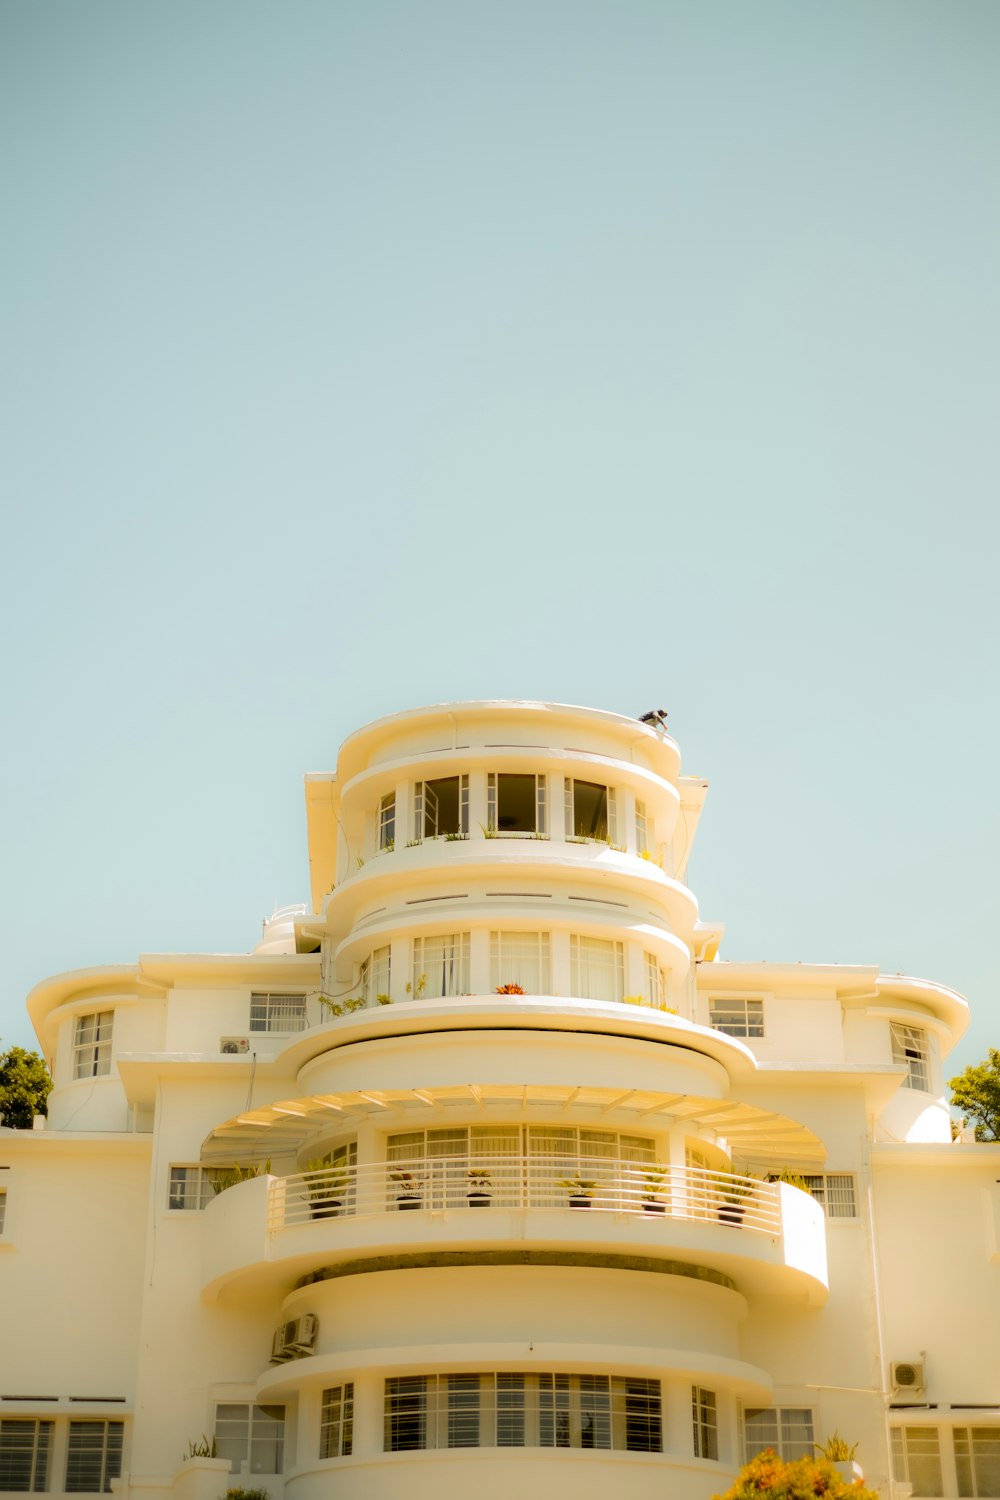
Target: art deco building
x,y
485,1174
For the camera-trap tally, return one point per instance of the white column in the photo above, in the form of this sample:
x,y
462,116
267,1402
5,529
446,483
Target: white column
x,y
559,955
479,961
369,1400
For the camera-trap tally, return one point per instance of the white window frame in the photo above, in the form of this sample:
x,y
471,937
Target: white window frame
x,y
386,832
89,1441
611,837
911,1045
195,1189
653,977
277,1011
522,1409
740,1016
836,1192
513,962
641,829
28,1439
783,1424
540,829
92,1035
443,974
584,958
912,1448
259,1428
705,1423
376,975
972,1481
336,1421
425,807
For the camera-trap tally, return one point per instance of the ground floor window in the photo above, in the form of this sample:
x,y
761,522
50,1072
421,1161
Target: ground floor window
x,y
522,1410
977,1460
25,1445
336,1425
247,1433
94,1456
786,1429
916,1459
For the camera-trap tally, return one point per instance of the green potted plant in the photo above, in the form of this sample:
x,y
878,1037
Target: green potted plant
x,y
227,1177
732,1194
411,1189
326,1186
581,1190
480,1187
654,1178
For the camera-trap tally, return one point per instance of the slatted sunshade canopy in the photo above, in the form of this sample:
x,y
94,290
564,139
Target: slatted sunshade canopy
x,y
756,1136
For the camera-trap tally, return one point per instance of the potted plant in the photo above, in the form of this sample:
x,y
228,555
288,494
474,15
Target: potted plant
x,y
411,1190
839,1453
326,1186
580,1190
509,989
480,1186
732,1195
227,1177
654,1177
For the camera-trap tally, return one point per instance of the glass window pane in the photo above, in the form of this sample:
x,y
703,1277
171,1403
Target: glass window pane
x,y
516,804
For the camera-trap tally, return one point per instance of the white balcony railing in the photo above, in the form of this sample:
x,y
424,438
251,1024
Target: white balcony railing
x,y
594,1184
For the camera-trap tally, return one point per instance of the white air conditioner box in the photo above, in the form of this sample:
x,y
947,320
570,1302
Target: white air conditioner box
x,y
234,1044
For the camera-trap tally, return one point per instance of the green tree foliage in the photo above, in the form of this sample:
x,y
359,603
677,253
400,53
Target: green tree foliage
x,y
976,1092
768,1477
24,1087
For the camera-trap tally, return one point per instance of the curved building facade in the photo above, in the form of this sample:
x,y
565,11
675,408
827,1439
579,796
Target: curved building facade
x,y
484,1169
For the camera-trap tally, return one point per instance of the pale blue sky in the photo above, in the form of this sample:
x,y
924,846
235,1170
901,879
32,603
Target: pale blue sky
x,y
357,356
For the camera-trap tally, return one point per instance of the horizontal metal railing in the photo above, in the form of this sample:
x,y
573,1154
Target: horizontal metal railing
x,y
597,1184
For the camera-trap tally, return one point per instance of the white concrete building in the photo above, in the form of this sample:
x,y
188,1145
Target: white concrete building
x,y
499,1243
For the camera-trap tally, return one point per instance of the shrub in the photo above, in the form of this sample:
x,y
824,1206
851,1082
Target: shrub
x,y
768,1477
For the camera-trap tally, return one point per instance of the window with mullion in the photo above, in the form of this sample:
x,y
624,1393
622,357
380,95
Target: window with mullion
x,y
705,1420
25,1445
597,968
336,1425
441,808
245,1431
441,965
641,828
387,821
515,804
786,1429
521,958
92,1045
277,1012
376,975
591,811
977,1461
93,1456
909,1046
916,1460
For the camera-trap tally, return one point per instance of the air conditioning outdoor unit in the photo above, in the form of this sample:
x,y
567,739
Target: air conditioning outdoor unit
x,y
278,1351
907,1376
234,1044
300,1336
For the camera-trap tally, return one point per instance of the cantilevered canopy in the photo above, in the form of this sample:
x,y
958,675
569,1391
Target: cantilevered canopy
x,y
756,1136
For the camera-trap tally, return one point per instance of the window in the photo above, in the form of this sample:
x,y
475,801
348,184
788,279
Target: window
x,y
376,975
244,1431
24,1454
521,958
591,811
706,1424
441,808
191,1187
336,1421
3,1208
92,1045
641,828
909,1046
597,970
387,822
521,1410
515,804
977,1460
835,1191
440,966
786,1429
94,1456
916,1459
737,1017
654,980
277,1012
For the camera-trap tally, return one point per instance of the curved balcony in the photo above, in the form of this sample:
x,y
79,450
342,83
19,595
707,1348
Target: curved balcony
x,y
767,1237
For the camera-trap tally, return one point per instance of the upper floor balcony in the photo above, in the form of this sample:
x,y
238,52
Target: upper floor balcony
x,y
769,1238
